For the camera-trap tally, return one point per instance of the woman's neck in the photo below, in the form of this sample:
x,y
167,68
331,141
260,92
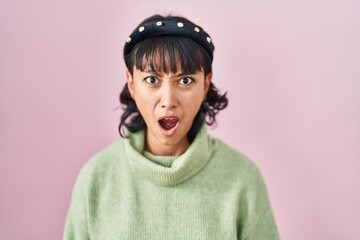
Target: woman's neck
x,y
160,149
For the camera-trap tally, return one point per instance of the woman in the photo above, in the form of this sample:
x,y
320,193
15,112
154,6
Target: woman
x,y
168,179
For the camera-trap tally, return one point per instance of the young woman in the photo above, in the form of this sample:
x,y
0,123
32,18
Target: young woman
x,y
167,178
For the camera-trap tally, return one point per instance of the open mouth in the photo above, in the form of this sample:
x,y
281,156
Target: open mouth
x,y
168,125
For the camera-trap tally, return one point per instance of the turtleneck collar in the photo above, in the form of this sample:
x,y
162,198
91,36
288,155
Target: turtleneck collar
x,y
168,170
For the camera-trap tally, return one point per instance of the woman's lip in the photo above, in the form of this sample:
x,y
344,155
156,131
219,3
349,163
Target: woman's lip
x,y
171,131
168,122
169,118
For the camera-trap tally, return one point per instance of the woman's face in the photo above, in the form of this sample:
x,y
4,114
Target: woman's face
x,y
168,104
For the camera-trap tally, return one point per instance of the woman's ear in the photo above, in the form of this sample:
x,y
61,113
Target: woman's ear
x,y
130,83
207,82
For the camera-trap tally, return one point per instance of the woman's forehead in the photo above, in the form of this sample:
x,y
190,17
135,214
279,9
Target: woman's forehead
x,y
178,73
164,64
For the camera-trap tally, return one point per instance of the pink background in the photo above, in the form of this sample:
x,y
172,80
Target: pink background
x,y
291,69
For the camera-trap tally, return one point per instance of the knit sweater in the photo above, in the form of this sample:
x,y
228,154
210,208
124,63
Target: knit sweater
x,y
209,192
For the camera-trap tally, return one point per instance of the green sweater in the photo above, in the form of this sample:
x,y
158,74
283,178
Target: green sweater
x,y
209,192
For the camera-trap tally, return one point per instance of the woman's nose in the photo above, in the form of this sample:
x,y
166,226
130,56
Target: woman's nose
x,y
168,97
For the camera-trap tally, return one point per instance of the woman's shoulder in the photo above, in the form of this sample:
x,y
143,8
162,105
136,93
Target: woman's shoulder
x,y
109,157
233,160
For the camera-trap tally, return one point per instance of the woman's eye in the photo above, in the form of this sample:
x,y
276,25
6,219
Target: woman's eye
x,y
186,81
151,80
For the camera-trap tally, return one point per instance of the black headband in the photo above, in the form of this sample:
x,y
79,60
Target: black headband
x,y
169,27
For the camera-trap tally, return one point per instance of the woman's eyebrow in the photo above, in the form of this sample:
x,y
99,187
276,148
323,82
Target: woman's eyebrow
x,y
184,74
152,72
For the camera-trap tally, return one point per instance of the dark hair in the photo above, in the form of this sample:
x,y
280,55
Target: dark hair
x,y
167,54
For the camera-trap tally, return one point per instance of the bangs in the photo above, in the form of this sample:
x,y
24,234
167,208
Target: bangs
x,y
170,54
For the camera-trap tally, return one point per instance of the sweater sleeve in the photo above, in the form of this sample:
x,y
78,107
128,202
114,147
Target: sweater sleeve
x,y
256,218
76,224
